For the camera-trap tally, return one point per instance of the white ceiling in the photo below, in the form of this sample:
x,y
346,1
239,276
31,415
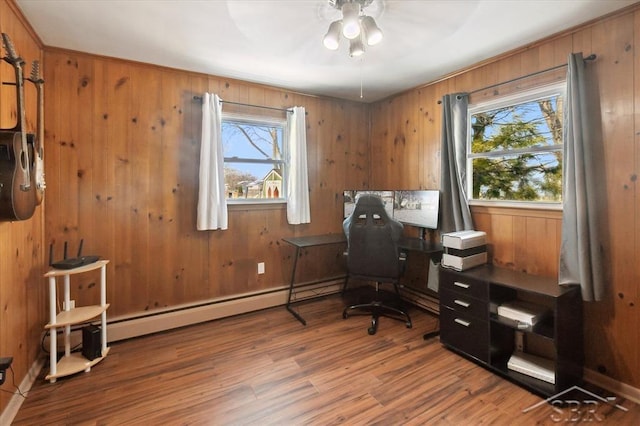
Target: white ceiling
x,y
279,42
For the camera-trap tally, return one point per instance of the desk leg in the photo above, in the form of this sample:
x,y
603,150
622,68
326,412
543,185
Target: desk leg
x,y
293,277
433,333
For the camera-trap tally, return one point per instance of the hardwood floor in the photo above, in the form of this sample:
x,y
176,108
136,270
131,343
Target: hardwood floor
x,y
266,368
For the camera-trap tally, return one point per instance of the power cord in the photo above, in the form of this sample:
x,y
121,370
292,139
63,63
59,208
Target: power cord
x,y
46,350
13,381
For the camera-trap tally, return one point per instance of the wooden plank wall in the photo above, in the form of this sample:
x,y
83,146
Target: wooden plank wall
x,y
406,153
122,162
22,288
121,167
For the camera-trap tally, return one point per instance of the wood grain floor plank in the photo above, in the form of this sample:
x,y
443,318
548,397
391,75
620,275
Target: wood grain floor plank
x,y
265,368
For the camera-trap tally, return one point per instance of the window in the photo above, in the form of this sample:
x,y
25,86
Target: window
x,y
255,169
515,148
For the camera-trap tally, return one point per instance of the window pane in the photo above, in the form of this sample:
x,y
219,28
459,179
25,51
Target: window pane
x,y
536,123
252,181
525,177
515,147
247,140
253,154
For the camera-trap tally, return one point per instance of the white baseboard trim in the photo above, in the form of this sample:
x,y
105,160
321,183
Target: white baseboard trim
x,y
153,322
421,299
620,389
11,410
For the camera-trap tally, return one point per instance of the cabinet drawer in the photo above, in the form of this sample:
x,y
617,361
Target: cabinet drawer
x,y
464,304
462,284
465,333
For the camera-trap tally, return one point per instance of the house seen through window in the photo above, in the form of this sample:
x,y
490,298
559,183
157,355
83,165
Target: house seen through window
x,y
254,158
515,148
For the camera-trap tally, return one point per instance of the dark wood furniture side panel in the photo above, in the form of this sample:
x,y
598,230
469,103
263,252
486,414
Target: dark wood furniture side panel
x,y
569,338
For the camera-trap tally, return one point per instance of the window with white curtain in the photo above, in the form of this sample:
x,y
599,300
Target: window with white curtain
x,y
514,150
255,152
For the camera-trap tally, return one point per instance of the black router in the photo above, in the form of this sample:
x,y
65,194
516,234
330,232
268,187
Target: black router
x,y
73,262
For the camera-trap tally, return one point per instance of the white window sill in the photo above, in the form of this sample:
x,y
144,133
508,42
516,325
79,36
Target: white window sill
x,y
518,205
256,205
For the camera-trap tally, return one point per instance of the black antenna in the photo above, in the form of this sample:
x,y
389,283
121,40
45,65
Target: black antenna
x,y
65,250
80,247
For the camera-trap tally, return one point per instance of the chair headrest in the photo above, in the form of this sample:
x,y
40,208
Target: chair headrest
x,y
370,203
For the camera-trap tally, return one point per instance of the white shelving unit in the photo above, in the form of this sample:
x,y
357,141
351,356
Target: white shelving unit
x,y
74,362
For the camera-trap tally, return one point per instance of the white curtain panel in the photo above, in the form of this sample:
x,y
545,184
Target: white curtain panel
x,y
212,204
298,210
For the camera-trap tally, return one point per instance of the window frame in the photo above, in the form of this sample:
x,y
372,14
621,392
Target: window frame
x,y
268,121
523,96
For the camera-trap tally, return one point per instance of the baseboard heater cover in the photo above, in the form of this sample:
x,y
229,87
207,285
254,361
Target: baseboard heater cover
x,y
148,323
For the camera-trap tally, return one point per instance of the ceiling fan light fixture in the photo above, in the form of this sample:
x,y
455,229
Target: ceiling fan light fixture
x,y
372,32
351,20
355,26
332,39
356,47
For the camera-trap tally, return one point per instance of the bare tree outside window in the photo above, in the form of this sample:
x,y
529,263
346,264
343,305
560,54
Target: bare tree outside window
x,y
255,167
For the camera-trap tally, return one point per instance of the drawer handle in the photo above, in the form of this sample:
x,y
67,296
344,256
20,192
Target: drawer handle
x,y
462,322
462,303
461,285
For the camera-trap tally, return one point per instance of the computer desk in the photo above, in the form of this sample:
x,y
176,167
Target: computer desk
x,y
405,243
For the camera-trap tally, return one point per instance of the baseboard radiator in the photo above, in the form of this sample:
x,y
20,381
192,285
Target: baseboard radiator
x,y
120,328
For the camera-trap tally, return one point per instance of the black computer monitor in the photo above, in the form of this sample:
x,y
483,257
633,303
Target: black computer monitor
x,y
417,208
350,198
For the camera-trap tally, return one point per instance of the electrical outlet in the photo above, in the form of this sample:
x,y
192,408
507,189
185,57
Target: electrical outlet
x,y
261,268
72,305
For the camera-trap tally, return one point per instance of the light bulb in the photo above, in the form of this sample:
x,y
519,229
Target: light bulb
x,y
372,33
332,39
351,20
356,47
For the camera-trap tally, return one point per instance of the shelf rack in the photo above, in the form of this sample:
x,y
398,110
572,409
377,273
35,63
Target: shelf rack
x,y
72,363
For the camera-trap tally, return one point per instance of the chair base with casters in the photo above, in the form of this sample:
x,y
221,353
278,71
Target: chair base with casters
x,y
377,309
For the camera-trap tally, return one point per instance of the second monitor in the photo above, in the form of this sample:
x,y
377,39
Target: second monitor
x,y
412,207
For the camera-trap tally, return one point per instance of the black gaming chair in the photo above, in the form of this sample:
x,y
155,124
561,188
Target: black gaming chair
x,y
373,255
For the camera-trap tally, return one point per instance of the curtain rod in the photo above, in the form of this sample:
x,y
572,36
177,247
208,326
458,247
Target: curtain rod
x,y
588,58
199,98
591,57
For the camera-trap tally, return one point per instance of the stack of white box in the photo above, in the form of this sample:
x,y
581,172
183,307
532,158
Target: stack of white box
x,y
464,249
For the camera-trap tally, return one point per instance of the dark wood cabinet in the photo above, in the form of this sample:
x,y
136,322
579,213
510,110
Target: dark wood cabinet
x,y
470,324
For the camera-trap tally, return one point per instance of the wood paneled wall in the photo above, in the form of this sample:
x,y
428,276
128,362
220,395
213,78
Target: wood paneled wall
x,y
406,153
22,288
122,148
122,166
